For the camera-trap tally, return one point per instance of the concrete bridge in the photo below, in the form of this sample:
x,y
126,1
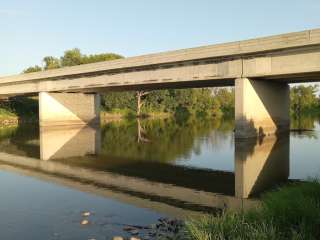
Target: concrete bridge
x,y
260,69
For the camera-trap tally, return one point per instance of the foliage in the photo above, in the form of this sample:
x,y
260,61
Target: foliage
x,y
119,100
35,68
162,134
292,212
179,101
22,107
72,57
304,99
226,98
93,58
51,63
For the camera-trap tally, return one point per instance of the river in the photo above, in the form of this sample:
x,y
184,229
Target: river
x,y
131,172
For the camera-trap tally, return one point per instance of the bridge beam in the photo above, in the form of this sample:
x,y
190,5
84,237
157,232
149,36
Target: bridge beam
x,y
261,108
57,109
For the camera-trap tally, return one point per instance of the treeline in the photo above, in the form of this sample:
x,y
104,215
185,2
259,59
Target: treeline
x,y
70,58
175,101
206,101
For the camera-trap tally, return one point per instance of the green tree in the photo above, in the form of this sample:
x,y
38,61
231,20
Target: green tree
x,y
226,98
35,68
51,63
71,57
119,100
85,59
303,98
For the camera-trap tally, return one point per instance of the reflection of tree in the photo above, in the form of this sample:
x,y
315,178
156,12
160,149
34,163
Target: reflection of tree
x,y
141,133
168,139
7,132
20,140
217,138
303,125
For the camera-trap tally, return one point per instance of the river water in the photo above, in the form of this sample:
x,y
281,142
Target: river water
x,y
135,172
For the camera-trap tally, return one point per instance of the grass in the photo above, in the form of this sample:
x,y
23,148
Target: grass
x,y
291,212
19,107
127,113
5,113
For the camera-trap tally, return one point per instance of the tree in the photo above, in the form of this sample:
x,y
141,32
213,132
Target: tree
x,y
140,100
99,58
71,57
226,98
35,68
119,100
51,63
303,98
74,57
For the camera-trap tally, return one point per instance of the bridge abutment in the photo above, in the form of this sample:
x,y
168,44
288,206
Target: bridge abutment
x,y
58,109
261,108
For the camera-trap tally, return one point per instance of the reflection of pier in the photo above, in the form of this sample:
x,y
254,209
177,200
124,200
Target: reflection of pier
x,y
168,188
68,141
260,164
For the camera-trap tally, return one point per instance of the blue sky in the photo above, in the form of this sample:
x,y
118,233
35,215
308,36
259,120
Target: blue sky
x,y
30,30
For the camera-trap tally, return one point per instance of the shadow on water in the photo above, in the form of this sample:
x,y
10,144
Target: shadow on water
x,y
136,162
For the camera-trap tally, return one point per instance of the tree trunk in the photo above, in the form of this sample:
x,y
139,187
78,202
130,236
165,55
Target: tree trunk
x,y
141,133
140,102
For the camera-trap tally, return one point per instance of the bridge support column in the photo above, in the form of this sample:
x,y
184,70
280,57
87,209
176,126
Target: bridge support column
x,y
68,109
261,108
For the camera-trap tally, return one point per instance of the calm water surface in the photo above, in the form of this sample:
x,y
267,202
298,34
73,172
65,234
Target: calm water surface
x,y
134,172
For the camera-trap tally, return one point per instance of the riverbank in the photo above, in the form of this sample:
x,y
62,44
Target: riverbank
x,y
8,119
128,114
292,212
11,119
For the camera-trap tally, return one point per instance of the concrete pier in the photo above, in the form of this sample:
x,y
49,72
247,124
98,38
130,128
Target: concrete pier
x,y
261,108
57,109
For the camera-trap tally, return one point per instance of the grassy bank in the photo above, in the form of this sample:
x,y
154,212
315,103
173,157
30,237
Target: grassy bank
x,y
292,212
19,109
120,114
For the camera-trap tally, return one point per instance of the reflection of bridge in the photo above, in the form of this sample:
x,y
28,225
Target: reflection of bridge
x,y
166,198
260,69
171,189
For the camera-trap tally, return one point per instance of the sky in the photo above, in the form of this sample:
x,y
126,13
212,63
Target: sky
x,y
30,30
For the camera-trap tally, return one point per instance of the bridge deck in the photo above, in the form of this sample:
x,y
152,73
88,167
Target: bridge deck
x,y
291,57
225,50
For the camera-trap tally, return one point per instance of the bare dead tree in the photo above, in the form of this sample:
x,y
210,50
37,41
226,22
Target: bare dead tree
x,y
141,133
140,97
